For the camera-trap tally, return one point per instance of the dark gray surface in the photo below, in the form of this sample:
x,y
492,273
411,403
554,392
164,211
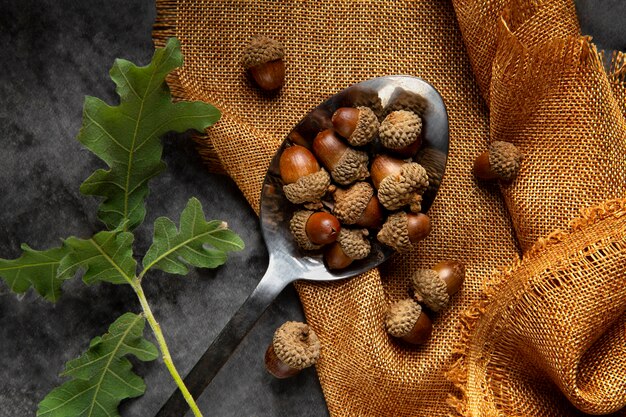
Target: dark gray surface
x,y
55,52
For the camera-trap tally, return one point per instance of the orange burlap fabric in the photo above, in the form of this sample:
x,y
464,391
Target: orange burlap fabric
x,y
546,333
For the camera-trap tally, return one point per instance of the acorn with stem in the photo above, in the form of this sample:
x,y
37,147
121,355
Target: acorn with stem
x,y
399,183
294,347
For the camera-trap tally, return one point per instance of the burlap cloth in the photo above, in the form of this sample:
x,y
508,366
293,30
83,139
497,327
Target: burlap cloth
x,y
547,335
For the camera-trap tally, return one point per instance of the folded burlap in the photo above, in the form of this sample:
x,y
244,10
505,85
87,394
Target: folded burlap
x,y
530,343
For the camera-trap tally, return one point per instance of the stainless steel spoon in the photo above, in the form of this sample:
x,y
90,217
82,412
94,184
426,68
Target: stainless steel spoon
x,y
287,262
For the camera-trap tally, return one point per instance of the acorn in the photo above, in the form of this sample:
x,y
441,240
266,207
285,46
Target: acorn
x,y
312,229
264,59
295,346
346,165
402,230
435,286
359,126
305,181
500,162
350,245
358,205
400,129
399,183
406,320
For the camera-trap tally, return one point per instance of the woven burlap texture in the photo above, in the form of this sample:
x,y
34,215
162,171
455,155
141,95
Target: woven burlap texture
x,y
331,45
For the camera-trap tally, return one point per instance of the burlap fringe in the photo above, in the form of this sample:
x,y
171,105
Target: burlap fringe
x,y
469,320
163,29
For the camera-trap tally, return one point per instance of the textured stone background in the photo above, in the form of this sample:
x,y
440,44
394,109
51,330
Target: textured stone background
x,y
54,53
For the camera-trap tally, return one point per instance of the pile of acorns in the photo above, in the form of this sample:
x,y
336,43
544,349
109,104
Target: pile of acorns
x,y
359,196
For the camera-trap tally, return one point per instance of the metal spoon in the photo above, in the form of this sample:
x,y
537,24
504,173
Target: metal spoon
x,y
287,262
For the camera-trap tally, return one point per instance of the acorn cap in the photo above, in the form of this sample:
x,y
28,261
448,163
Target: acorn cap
x,y
261,50
352,166
296,344
406,100
308,189
366,127
395,232
401,317
430,289
396,191
350,203
297,225
354,244
504,159
400,129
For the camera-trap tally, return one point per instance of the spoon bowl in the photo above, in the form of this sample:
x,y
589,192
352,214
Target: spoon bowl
x,y
288,262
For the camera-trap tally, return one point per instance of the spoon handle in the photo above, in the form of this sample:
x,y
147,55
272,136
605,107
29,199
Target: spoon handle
x,y
218,353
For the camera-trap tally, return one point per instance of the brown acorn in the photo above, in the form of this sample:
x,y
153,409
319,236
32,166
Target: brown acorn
x,y
305,181
406,320
295,346
399,183
500,162
435,286
359,126
350,245
312,230
264,59
358,205
346,165
400,129
402,230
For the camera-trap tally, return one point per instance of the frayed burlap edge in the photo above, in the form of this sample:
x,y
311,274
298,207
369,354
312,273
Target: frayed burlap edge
x,y
492,287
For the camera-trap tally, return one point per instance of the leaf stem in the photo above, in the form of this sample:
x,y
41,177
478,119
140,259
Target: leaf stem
x,y
156,328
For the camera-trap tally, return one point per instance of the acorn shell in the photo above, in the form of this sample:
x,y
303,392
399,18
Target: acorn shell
x,y
308,189
400,129
505,160
352,166
297,226
261,50
401,317
396,191
296,344
430,289
350,203
395,232
354,243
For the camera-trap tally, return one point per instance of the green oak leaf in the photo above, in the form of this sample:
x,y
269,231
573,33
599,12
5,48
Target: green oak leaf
x,y
34,268
107,257
127,136
172,250
102,377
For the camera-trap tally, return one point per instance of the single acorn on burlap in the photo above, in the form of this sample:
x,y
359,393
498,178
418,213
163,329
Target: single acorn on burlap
x,y
500,162
264,59
405,320
434,287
